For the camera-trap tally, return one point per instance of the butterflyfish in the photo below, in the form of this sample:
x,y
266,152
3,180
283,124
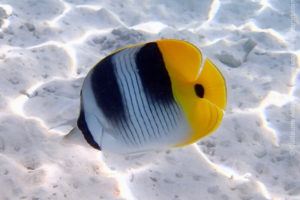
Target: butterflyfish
x,y
152,95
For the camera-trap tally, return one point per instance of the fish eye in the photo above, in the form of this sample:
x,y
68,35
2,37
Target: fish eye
x,y
199,90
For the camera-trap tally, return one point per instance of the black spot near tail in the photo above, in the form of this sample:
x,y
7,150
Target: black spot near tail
x,y
82,125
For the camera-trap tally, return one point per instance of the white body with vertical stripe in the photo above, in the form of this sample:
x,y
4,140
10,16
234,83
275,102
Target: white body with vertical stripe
x,y
149,125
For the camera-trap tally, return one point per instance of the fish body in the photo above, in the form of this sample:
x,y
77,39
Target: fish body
x,y
152,95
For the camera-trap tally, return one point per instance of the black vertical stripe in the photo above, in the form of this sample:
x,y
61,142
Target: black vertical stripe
x,y
106,90
155,80
154,76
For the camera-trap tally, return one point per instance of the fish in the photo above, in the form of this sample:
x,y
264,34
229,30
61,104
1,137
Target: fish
x,y
155,95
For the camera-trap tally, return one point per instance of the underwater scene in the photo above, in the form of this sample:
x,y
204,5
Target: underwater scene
x,y
217,79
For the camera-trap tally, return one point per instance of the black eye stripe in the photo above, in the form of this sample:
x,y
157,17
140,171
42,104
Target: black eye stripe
x,y
199,90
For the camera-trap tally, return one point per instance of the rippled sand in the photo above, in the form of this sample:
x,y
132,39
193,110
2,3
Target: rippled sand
x,y
48,46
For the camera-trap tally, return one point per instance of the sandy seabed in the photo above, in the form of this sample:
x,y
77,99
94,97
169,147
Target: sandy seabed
x,y
48,46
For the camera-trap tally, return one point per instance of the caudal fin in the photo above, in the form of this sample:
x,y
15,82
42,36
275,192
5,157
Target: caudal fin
x,y
75,137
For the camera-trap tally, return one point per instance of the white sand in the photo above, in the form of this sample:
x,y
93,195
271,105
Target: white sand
x,y
48,46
